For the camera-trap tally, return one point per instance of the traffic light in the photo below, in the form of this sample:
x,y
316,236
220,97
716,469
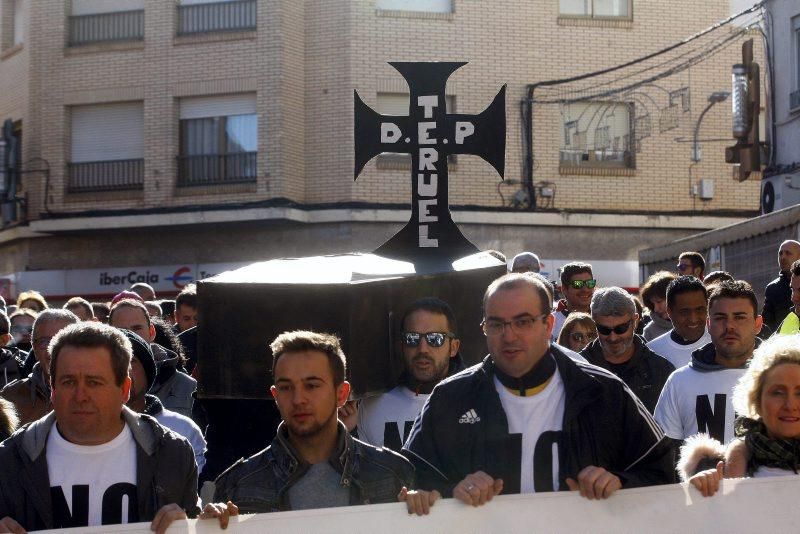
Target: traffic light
x,y
746,102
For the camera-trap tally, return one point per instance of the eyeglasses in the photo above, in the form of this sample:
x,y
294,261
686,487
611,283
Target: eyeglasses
x,y
579,337
434,339
683,267
577,284
619,329
519,325
21,329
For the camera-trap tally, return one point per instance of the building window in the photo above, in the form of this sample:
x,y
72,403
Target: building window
x,y
13,20
397,104
429,6
218,140
20,16
204,16
794,96
107,147
596,8
103,21
597,135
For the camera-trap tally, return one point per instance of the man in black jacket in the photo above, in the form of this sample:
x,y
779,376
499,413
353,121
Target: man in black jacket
x,y
618,348
531,419
112,465
778,294
313,462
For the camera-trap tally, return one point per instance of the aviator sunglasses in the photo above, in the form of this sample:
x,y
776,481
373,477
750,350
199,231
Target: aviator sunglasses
x,y
434,339
619,329
577,284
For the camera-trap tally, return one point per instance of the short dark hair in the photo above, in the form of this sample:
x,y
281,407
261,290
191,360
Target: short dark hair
x,y
302,340
432,305
684,284
90,334
573,268
130,303
795,269
695,258
5,324
187,297
717,276
142,285
76,302
656,286
736,289
517,280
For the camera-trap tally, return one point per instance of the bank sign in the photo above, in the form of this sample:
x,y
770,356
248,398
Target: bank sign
x,y
167,279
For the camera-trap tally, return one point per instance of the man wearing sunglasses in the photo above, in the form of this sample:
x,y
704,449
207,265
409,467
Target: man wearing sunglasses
x,y
618,348
430,354
577,285
530,418
691,264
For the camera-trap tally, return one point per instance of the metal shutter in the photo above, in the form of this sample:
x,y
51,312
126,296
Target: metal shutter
x,y
218,106
91,7
107,132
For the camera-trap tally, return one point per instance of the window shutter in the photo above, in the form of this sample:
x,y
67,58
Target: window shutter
x,y
20,16
107,132
92,7
433,6
218,106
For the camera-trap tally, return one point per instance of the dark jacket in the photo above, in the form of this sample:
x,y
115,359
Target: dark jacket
x,y
11,362
165,471
777,301
261,483
463,428
30,396
646,372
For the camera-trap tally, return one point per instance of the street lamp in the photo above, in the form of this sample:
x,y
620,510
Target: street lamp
x,y
714,98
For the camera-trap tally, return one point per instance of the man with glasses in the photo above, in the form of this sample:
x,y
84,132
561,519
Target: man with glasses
x,y
31,395
577,285
430,354
618,348
691,264
530,418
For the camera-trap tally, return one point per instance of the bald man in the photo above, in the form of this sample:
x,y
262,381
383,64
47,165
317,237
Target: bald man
x,y
778,294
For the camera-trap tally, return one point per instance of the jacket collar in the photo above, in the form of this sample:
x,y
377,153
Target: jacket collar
x,y
704,358
34,437
341,459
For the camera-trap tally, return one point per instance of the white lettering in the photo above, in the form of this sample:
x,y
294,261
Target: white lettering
x,y
463,130
427,157
390,132
425,215
424,241
422,133
428,102
426,188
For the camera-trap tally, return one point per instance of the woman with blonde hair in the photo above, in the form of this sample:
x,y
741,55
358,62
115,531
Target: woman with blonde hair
x,y
767,398
578,331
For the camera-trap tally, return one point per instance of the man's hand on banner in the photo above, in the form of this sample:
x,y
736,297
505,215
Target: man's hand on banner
x,y
595,483
223,511
477,488
165,516
9,525
418,501
708,481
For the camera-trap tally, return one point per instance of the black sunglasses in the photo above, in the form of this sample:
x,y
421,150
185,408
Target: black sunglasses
x,y
577,284
619,329
434,339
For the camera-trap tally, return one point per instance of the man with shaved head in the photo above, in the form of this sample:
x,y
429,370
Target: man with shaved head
x,y
778,294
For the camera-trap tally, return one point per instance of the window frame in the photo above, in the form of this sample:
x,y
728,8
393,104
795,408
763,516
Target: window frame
x,y
586,165
592,16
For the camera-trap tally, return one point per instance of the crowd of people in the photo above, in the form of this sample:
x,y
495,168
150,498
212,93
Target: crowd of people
x,y
591,390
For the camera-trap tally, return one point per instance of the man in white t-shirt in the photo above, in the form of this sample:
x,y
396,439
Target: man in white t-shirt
x,y
430,353
687,306
697,397
92,461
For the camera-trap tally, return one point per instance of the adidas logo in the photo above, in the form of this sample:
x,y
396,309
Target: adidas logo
x,y
469,418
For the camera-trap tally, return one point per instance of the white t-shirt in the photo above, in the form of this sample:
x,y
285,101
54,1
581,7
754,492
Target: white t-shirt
x,y
539,418
693,401
677,354
92,485
386,420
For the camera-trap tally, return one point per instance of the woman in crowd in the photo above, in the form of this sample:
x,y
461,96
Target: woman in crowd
x,y
578,331
767,397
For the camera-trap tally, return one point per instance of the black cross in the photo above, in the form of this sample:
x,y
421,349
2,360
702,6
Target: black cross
x,y
430,239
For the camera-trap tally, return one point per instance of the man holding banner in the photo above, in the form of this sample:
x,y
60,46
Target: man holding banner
x,y
531,419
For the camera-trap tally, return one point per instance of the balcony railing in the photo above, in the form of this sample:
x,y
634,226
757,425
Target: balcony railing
x,y
106,27
212,169
595,158
117,175
237,15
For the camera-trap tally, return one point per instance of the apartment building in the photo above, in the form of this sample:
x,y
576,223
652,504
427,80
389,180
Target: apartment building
x,y
164,141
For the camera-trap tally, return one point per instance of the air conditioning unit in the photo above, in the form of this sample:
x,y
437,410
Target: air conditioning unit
x,y
780,191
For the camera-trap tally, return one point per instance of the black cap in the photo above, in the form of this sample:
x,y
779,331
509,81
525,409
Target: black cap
x,y
143,353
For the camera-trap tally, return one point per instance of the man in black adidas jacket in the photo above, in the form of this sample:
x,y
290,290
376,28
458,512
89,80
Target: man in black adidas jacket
x,y
530,418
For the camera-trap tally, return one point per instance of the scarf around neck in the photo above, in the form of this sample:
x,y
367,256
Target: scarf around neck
x,y
766,451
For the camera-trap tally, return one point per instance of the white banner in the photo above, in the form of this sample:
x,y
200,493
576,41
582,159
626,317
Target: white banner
x,y
748,505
